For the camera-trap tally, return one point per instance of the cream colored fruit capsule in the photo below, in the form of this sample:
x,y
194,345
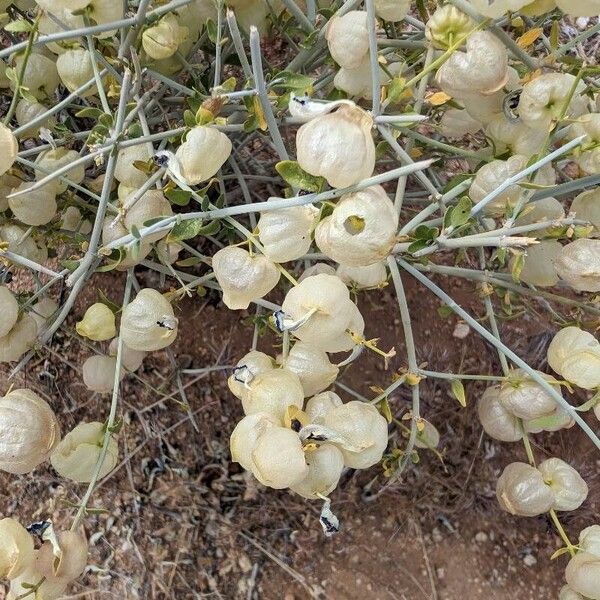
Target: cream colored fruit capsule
x,y
319,406
70,566
568,487
113,230
131,359
515,137
428,438
578,264
580,8
348,38
245,435
338,146
526,399
371,276
586,206
161,40
42,310
98,323
126,171
497,422
247,368
358,82
588,154
583,575
19,339
567,342
312,366
10,310
151,205
52,160
98,373
243,278
589,540
392,10
203,153
521,490
148,323
446,25
36,207
325,465
75,69
10,148
498,8
538,266
22,244
29,431
77,454
363,428
456,123
40,77
361,230
567,593
16,548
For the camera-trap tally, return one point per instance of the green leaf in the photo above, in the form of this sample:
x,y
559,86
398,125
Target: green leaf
x,y
396,89
517,266
297,177
192,261
89,113
293,81
19,26
461,212
178,197
422,232
211,228
116,257
385,410
211,30
135,232
106,300
70,264
106,120
444,311
458,391
559,552
204,116
554,35
189,119
185,230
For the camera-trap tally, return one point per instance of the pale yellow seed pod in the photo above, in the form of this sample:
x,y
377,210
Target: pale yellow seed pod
x,y
48,26
40,78
151,205
10,148
71,5
105,11
319,406
583,575
559,419
567,342
98,323
317,269
578,264
76,456
568,487
7,184
580,8
98,373
16,548
285,234
348,38
566,593
162,39
446,25
538,267
542,100
22,244
496,421
392,10
371,276
149,323
243,278
247,368
251,13
346,341
168,252
75,68
364,429
18,340
521,491
586,206
456,123
125,170
50,161
113,230
589,540
272,392
338,146
358,82
73,221
10,311
361,230
583,369
29,431
428,437
548,209
131,359
588,158
42,310
278,458
70,566
204,151
515,137
498,8
52,589
325,466
312,366
525,398
246,434
36,207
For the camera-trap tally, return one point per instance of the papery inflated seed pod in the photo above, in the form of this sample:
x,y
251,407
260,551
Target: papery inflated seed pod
x,y
113,230
98,323
10,310
98,373
583,575
548,209
325,466
482,68
247,368
151,205
319,406
131,359
526,399
203,153
312,366
566,593
71,564
428,437
36,207
278,458
538,266
456,123
72,220
361,230
514,136
348,339
521,490
76,456
42,310
16,548
542,100
392,10
317,269
18,340
497,422
162,39
49,589
496,172
338,146
24,245
358,82
567,342
29,431
348,38
579,8
586,206
66,18
446,25
40,77
364,430
52,160
148,322
168,252
588,155
555,421
10,148
7,184
568,487
252,13
371,276
499,7
126,170
589,540
272,392
286,234
242,277
71,5
75,68
245,435
105,11
322,306
578,264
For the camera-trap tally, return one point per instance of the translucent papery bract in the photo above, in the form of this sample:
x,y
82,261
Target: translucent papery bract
x,y
27,111
16,548
246,434
126,171
586,206
392,10
456,123
580,8
75,69
248,367
70,566
371,276
242,277
35,207
568,487
498,8
538,268
569,341
130,358
113,230
98,323
521,491
18,340
312,366
151,205
583,575
589,540
348,38
496,420
10,310
98,373
515,137
566,593
525,398
319,406
588,158
10,148
40,77
446,25
578,264
325,466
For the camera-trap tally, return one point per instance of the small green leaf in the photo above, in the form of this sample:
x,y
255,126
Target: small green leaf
x,y
89,113
396,89
106,300
178,197
458,391
559,552
385,410
297,177
189,119
70,264
19,26
185,230
293,81
115,258
211,30
517,266
461,212
211,228
106,120
554,35
204,116
192,261
135,232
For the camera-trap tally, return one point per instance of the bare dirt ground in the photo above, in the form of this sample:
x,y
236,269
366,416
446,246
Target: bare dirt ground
x,y
178,520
